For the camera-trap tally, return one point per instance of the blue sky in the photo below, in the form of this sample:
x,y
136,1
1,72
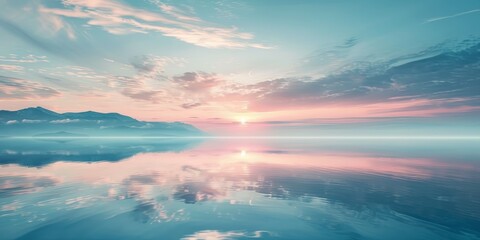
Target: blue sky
x,y
219,61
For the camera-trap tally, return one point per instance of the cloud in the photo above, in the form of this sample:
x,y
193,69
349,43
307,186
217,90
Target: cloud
x,y
191,105
31,121
54,24
11,68
24,35
11,122
331,58
23,59
68,120
151,66
145,83
57,48
146,95
194,89
117,18
410,85
176,12
15,88
198,81
438,84
452,16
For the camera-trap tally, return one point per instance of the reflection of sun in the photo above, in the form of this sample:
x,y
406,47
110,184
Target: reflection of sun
x,y
243,153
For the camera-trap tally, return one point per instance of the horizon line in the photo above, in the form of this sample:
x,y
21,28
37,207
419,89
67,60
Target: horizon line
x,y
421,137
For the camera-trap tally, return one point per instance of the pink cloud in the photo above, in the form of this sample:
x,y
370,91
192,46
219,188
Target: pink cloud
x,y
15,88
11,68
118,18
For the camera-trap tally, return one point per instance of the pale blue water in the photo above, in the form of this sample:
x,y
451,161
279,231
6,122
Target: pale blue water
x,y
239,189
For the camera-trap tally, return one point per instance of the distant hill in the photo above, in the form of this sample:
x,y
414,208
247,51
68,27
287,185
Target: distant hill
x,y
38,121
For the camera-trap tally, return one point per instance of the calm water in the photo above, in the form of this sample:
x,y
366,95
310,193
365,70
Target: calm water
x,y
239,189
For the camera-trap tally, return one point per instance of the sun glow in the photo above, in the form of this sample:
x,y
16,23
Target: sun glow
x,y
243,153
243,121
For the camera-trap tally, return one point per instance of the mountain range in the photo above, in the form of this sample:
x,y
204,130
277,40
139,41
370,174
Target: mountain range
x,y
39,122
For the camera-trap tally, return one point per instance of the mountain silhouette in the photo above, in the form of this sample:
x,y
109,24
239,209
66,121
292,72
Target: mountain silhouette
x,y
38,121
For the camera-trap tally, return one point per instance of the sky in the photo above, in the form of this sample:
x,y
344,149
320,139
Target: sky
x,y
273,65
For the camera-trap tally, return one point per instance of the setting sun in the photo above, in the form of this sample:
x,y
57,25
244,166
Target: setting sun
x,y
243,121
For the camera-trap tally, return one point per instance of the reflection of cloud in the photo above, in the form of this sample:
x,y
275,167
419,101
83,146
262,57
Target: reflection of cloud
x,y
19,184
11,206
192,192
419,188
148,211
219,235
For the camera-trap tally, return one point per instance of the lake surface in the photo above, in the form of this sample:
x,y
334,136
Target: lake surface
x,y
239,189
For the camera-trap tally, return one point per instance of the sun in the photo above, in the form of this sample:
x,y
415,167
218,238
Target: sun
x,y
243,121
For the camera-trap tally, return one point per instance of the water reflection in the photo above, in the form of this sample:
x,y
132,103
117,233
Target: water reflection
x,y
240,190
36,153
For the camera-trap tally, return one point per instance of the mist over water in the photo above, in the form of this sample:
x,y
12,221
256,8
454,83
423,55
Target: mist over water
x,y
239,189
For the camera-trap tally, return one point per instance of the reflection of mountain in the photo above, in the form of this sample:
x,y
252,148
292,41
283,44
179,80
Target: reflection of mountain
x,y
42,152
60,134
34,121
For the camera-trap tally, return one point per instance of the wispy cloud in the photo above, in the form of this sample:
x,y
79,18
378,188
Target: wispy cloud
x,y
11,68
15,88
437,78
434,85
117,18
54,47
330,58
176,12
198,82
191,105
67,120
54,24
23,59
152,96
451,16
